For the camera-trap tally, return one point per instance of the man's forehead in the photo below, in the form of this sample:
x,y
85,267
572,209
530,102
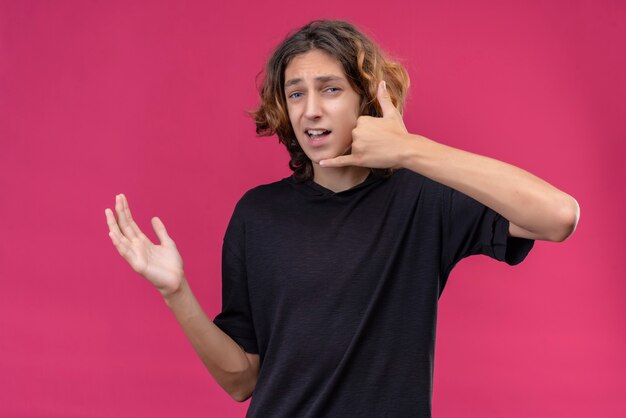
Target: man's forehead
x,y
316,65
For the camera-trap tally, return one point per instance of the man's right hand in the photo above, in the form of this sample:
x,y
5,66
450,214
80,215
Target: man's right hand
x,y
161,264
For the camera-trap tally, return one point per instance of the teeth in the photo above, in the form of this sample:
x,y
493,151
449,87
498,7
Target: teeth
x,y
315,132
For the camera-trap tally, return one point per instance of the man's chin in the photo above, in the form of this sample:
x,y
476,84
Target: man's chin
x,y
348,151
316,159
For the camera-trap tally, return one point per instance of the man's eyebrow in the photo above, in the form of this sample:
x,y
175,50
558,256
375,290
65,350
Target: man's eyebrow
x,y
322,79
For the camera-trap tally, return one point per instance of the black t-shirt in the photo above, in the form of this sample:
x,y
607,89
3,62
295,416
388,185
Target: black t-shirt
x,y
338,292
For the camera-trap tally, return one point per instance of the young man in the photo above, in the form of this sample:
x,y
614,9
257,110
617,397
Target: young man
x,y
331,276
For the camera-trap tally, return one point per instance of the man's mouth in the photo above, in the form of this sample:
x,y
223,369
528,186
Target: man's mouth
x,y
316,134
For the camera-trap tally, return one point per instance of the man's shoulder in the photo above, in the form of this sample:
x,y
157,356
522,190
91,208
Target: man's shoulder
x,y
267,190
261,196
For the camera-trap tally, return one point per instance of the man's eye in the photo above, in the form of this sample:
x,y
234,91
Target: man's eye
x,y
295,95
333,89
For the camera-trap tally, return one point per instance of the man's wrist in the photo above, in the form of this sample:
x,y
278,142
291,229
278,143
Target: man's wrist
x,y
173,295
413,152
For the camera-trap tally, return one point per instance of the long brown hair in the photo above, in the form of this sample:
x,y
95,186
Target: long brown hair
x,y
363,62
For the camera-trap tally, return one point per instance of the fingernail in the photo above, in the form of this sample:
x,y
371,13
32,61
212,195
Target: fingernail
x,y
384,85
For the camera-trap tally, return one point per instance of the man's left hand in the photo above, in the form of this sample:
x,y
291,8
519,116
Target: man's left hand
x,y
376,142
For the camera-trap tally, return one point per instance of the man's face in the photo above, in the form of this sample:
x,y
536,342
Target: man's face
x,y
323,108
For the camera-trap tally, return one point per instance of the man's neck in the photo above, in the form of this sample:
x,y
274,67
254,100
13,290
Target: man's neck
x,y
339,179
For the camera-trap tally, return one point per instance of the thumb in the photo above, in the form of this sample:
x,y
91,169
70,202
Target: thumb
x,y
161,232
384,99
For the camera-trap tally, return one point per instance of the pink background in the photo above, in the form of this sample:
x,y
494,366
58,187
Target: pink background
x,y
148,99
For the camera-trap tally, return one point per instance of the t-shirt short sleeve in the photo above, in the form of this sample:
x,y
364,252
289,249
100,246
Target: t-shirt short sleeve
x,y
236,316
469,228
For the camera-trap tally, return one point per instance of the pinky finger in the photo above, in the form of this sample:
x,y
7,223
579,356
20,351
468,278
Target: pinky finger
x,y
114,238
121,244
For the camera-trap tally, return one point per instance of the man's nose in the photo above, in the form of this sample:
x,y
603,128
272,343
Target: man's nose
x,y
313,107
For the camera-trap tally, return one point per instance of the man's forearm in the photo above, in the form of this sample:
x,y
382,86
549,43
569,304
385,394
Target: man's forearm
x,y
222,356
517,195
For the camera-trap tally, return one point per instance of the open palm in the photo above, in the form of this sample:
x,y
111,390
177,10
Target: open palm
x,y
161,264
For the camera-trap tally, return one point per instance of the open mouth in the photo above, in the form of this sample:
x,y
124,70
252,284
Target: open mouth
x,y
316,134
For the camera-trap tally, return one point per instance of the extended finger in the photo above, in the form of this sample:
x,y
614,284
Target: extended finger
x,y
130,217
341,161
123,219
112,222
120,242
161,232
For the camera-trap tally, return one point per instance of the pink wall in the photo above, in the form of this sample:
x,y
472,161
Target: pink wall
x,y
148,98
